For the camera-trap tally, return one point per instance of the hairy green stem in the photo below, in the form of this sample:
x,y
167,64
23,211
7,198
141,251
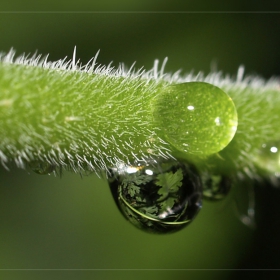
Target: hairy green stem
x,y
76,118
95,117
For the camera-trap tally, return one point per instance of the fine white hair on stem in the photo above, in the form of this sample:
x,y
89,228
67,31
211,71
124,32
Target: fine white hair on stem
x,y
74,59
216,77
240,73
132,80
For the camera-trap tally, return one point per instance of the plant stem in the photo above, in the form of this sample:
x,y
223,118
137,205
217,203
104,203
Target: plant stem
x,y
69,117
95,117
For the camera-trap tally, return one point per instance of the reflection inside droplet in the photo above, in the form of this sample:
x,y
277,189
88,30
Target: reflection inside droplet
x,y
157,198
215,187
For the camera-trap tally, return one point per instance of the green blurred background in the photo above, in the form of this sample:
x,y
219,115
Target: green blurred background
x,y
72,223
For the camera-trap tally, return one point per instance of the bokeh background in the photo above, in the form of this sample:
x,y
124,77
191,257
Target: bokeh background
x,y
48,222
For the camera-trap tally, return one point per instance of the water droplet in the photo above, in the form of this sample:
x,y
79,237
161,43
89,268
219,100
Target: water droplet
x,y
268,157
215,187
42,168
157,198
244,200
202,119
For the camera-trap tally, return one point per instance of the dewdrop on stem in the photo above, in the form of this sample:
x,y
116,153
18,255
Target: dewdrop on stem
x,y
196,118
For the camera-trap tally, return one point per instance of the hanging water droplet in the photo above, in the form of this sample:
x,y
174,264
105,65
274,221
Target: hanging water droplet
x,y
244,200
157,198
268,157
41,167
215,187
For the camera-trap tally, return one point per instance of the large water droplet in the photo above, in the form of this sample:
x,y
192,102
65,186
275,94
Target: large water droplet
x,y
202,119
215,187
268,157
157,198
41,167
